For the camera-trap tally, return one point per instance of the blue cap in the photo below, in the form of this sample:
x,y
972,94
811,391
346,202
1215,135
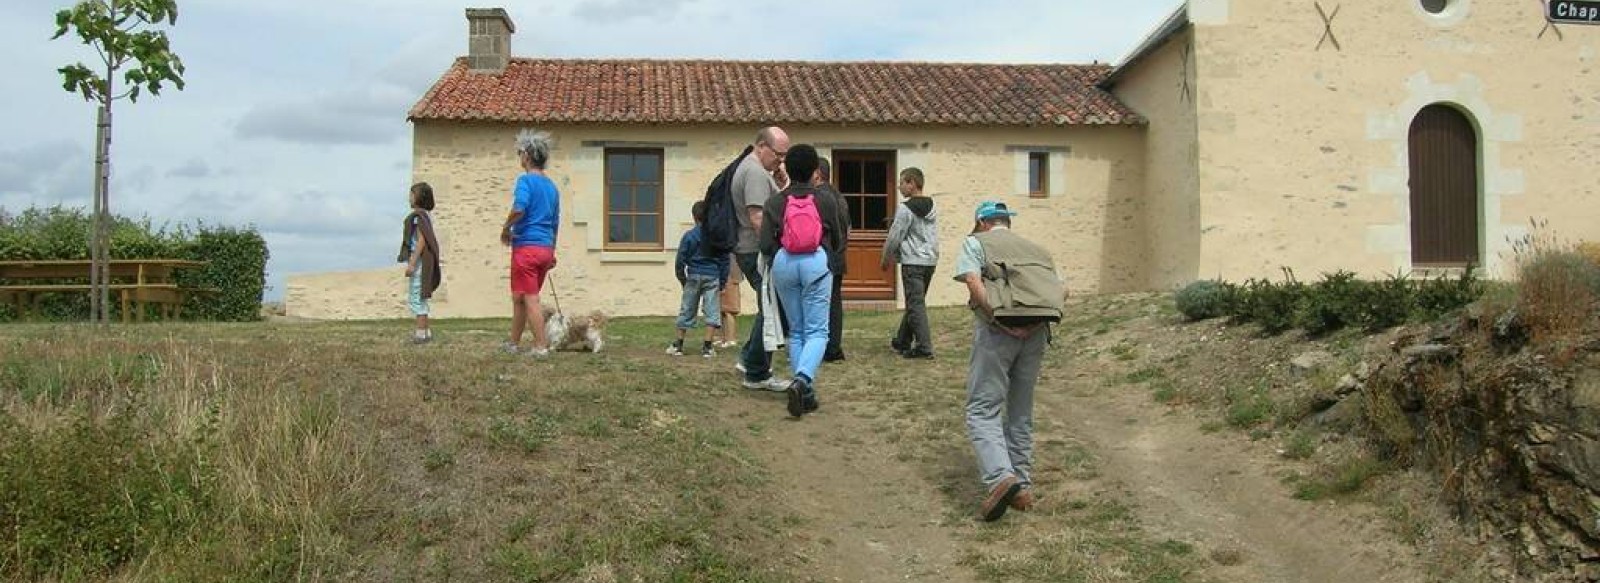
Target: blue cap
x,y
990,209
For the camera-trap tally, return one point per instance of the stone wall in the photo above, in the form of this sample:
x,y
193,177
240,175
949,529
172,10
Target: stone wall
x,y
1161,88
1513,434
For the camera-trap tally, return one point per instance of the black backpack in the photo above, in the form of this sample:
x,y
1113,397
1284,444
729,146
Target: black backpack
x,y
721,228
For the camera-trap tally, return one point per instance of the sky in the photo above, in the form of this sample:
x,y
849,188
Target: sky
x,y
293,117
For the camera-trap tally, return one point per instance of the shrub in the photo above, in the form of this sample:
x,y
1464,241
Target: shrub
x,y
1442,295
1558,284
1386,304
1331,304
1271,306
1203,300
237,268
1557,292
1590,250
236,259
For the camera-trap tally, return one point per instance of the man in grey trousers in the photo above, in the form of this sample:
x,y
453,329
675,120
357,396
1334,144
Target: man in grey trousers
x,y
1007,352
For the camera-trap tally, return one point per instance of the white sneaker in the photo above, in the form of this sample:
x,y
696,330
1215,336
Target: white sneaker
x,y
538,352
774,384
739,366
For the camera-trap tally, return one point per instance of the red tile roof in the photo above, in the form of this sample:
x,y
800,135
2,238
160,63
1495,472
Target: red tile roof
x,y
653,91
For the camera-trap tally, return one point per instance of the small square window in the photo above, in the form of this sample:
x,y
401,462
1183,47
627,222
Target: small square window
x,y
1039,174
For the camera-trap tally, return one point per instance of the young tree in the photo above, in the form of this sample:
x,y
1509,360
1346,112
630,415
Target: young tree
x,y
124,34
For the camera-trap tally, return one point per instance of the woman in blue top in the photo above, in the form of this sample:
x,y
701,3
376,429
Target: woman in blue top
x,y
530,231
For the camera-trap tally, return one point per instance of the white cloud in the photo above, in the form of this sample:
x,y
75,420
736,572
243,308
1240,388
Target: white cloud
x,y
372,115
609,11
194,168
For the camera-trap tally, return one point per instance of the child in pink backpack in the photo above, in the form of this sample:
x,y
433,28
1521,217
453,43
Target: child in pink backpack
x,y
799,232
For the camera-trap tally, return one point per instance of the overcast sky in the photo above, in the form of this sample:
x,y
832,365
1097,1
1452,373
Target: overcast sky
x,y
294,115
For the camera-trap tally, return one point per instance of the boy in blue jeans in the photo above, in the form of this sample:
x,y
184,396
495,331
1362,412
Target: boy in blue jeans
x,y
702,277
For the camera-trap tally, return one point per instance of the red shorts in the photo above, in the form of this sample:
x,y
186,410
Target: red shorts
x,y
529,264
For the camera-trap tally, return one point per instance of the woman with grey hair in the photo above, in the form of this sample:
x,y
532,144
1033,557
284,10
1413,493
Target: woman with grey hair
x,y
530,231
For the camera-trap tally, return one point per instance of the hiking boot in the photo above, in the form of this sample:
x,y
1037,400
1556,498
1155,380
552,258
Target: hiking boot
x,y
810,403
899,348
706,350
917,354
797,398
1023,501
676,349
773,384
999,498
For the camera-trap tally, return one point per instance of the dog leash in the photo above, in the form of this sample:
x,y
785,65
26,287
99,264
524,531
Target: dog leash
x,y
551,281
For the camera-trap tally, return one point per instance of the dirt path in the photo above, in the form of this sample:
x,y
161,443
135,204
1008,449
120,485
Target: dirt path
x,y
874,518
1224,493
876,503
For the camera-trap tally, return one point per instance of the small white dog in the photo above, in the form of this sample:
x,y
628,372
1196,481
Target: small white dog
x,y
585,332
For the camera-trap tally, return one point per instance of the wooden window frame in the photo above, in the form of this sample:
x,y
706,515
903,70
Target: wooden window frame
x,y
661,196
1043,158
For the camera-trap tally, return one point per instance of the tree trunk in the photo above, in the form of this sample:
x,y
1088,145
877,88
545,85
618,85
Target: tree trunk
x,y
101,262
105,218
96,275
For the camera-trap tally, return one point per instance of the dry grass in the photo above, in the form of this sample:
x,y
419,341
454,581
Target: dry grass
x,y
330,452
278,473
1558,285
338,452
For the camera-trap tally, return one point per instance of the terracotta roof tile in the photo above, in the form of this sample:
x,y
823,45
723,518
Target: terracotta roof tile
x,y
653,91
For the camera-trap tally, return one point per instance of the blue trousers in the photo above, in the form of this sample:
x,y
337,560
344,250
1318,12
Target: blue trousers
x,y
804,285
703,293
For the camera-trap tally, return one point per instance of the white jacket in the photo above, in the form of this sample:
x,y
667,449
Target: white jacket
x,y
772,321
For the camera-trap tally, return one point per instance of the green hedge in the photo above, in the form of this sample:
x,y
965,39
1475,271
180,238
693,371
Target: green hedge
x,y
1340,300
237,259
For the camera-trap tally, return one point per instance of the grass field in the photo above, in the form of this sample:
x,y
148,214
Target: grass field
x,y
337,451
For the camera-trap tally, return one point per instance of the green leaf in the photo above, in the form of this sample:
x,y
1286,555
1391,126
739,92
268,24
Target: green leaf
x,y
143,55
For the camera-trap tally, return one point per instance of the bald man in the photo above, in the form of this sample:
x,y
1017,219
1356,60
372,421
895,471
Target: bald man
x,y
759,177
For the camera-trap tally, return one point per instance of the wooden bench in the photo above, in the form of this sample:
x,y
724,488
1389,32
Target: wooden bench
x,y
168,297
151,284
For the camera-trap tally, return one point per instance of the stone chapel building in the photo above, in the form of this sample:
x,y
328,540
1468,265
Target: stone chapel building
x,y
1380,136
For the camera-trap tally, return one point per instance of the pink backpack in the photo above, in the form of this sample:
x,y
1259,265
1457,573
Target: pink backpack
x,y
802,225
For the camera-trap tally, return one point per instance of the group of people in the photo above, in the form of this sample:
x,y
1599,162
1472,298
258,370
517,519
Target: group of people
x,y
793,231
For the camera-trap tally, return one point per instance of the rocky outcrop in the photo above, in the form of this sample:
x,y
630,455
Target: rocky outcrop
x,y
1513,433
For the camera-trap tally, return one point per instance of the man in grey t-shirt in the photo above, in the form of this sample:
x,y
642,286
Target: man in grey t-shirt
x,y
758,178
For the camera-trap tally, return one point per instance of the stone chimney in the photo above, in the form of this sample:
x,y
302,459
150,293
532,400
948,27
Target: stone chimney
x,y
488,39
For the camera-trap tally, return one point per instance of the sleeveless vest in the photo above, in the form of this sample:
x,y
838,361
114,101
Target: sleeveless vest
x,y
1020,279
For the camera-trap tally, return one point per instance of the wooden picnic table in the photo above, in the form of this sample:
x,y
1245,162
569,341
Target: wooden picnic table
x,y
137,282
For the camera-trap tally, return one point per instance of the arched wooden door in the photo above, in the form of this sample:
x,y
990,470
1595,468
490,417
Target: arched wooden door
x,y
1444,189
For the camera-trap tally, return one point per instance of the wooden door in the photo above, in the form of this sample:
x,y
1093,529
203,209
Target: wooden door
x,y
866,178
1444,189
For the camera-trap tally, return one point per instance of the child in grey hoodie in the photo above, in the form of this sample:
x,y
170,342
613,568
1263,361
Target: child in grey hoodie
x,y
914,242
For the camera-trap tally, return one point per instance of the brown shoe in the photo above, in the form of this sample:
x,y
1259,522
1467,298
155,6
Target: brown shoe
x,y
1023,501
994,506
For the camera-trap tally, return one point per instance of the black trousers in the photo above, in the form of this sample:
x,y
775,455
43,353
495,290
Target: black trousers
x,y
836,320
